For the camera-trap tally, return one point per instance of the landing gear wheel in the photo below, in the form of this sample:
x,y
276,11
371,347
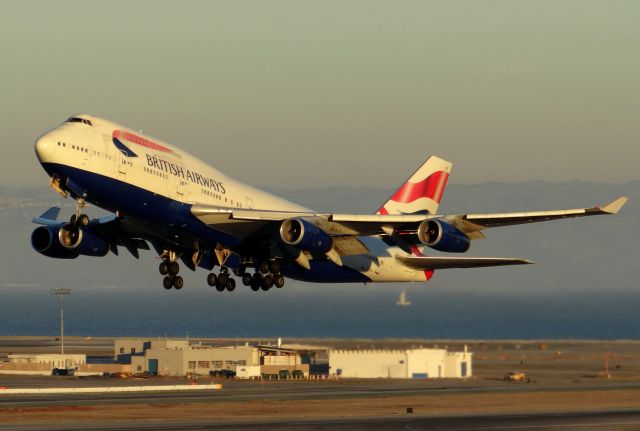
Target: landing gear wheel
x,y
178,282
274,267
72,220
223,280
231,285
279,281
174,268
82,220
167,282
246,279
212,279
163,268
256,281
264,267
267,282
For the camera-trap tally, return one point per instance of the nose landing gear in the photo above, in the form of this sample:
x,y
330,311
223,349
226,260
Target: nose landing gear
x,y
78,219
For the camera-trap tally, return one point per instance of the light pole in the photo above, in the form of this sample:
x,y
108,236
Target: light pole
x,y
61,292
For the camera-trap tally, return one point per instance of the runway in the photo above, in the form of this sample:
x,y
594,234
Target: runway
x,y
567,421
239,391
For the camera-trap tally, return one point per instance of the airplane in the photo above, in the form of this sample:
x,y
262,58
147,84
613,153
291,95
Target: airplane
x,y
192,213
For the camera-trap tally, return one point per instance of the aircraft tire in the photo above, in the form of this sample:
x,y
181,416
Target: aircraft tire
x,y
231,285
267,282
174,268
256,282
178,282
82,220
274,267
279,281
246,279
223,279
163,268
167,282
264,267
212,279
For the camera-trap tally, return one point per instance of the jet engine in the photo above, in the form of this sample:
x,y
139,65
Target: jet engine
x,y
67,242
441,236
82,241
305,236
44,240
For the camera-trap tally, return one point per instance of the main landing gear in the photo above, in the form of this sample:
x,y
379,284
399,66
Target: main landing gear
x,y
267,276
221,282
170,268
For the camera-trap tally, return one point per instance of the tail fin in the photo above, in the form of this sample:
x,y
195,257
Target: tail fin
x,y
422,192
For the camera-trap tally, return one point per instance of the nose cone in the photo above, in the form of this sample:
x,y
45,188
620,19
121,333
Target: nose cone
x,y
45,147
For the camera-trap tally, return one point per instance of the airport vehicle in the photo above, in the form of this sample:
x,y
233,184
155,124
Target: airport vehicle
x,y
227,374
63,371
192,213
516,376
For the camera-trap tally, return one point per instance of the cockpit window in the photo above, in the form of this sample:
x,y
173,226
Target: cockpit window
x,y
79,120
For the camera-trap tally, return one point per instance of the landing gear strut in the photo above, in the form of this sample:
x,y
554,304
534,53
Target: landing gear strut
x,y
78,219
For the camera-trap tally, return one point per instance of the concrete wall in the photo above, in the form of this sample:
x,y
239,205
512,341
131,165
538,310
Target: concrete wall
x,y
368,363
453,364
52,360
45,368
179,362
128,346
426,363
170,362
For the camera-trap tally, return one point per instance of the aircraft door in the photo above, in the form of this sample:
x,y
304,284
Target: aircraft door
x,y
181,186
122,162
177,184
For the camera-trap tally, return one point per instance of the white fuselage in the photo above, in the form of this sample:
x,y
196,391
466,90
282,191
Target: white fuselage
x,y
150,165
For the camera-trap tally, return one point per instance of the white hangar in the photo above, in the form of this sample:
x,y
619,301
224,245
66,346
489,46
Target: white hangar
x,y
401,364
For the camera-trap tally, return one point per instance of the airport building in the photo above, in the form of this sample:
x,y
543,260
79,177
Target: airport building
x,y
181,358
402,364
45,363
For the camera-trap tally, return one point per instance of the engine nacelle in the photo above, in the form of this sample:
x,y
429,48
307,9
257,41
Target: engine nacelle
x,y
82,241
305,236
44,240
441,236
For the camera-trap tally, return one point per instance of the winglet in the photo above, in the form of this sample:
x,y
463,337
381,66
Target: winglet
x,y
614,207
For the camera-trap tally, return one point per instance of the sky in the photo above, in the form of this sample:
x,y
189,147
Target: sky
x,y
289,94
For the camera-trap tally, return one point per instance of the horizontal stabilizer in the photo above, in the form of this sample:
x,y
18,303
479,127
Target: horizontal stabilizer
x,y
432,263
49,217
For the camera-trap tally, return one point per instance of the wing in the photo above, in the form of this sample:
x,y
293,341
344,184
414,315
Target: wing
x,y
470,223
433,263
243,222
